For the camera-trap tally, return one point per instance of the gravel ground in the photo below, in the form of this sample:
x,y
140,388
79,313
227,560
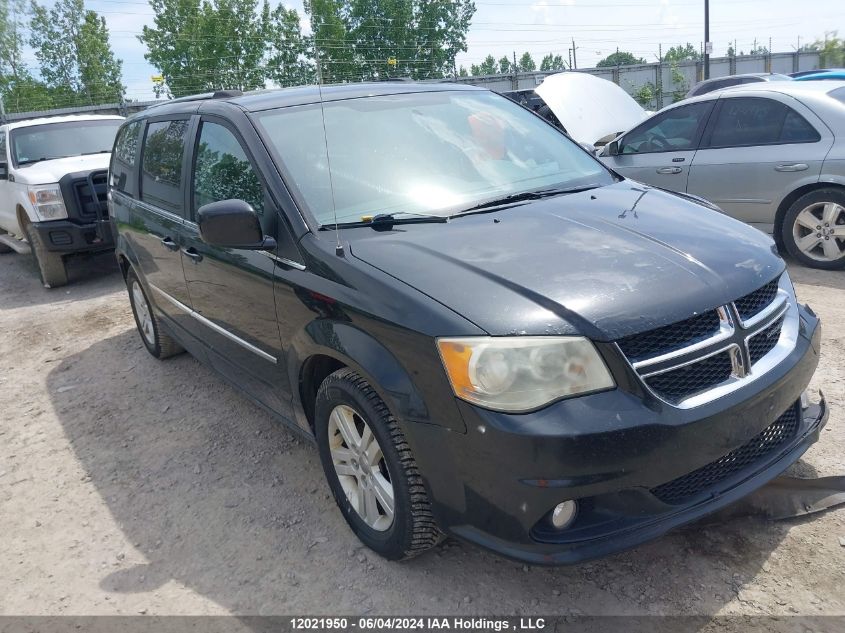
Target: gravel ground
x,y
129,485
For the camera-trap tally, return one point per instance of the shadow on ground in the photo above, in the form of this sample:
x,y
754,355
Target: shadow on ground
x,y
221,498
89,276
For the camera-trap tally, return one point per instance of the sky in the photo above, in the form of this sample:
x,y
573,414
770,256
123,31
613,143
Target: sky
x,y
540,27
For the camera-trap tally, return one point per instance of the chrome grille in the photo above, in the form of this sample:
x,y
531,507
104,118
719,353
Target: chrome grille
x,y
773,437
715,350
670,337
763,343
752,303
689,380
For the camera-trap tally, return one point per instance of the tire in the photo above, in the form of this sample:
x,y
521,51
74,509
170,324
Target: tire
x,y
51,266
813,229
158,343
411,529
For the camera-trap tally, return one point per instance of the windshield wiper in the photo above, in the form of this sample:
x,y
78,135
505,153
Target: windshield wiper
x,y
386,220
522,196
30,161
99,151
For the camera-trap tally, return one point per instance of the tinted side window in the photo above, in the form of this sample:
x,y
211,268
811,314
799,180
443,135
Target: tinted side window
x,y
124,158
797,130
222,170
674,130
161,165
751,121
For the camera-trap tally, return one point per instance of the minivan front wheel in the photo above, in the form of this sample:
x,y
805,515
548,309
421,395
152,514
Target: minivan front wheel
x,y
157,342
370,469
814,229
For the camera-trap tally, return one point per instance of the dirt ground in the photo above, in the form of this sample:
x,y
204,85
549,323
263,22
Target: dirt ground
x,y
129,485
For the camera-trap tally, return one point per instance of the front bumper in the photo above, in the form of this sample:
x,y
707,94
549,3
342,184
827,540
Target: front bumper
x,y
70,236
496,484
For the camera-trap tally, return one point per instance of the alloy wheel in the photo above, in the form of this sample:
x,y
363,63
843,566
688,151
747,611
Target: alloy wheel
x,y
359,463
142,310
819,231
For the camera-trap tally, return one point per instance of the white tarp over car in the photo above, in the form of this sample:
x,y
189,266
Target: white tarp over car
x,y
588,107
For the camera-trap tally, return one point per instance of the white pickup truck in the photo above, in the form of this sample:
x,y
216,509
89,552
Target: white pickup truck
x,y
53,177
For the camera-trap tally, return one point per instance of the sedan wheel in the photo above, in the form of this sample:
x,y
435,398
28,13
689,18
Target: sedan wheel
x,y
813,229
359,463
819,231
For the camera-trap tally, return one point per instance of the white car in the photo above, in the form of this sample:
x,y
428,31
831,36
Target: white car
x,y
53,174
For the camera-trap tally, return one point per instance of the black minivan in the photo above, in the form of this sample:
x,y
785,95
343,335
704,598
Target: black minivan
x,y
487,333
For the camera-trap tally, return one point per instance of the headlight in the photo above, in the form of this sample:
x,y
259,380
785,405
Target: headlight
x,y
522,373
48,202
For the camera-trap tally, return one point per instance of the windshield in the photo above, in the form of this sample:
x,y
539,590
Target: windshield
x,y
59,140
432,153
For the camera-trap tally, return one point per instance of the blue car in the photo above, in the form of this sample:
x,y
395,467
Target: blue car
x,y
837,74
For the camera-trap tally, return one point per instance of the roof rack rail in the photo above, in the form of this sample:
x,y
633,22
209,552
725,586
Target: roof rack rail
x,y
204,96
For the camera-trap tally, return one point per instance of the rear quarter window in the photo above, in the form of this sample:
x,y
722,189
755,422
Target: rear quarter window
x,y
124,158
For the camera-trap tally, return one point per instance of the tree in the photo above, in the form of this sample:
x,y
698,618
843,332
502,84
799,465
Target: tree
x,y
731,51
219,44
682,53
526,62
488,66
759,50
288,50
620,58
831,50
76,60
357,39
505,65
462,72
645,95
20,92
552,62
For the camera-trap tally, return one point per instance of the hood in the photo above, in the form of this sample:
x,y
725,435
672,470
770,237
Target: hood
x,y
50,171
603,263
590,108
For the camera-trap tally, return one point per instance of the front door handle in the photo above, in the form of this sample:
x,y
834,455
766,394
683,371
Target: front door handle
x,y
169,244
193,254
669,170
792,167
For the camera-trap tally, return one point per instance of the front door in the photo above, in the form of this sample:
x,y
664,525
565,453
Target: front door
x,y
660,151
755,151
158,216
8,221
231,289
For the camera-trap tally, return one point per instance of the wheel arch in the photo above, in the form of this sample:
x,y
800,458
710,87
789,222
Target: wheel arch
x,y
325,346
790,199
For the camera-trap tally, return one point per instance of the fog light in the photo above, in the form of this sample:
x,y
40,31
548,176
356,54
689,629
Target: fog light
x,y
564,514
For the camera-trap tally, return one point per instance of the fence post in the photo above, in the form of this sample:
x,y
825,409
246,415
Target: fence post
x,y
658,83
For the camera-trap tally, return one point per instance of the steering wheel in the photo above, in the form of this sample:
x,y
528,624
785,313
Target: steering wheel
x,y
655,143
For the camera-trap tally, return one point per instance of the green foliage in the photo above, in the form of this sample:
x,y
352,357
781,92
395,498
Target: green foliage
x,y
207,45
682,53
526,62
505,65
620,58
357,38
552,62
679,83
646,94
831,50
488,66
462,72
73,51
759,50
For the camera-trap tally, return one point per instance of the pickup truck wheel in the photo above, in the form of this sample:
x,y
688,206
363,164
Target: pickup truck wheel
x,y
157,342
51,266
370,469
813,229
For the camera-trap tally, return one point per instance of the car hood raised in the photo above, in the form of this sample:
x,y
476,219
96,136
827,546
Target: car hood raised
x,y
603,263
590,108
50,171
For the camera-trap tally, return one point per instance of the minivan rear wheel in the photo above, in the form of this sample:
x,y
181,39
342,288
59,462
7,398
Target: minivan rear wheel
x,y
813,229
370,469
158,343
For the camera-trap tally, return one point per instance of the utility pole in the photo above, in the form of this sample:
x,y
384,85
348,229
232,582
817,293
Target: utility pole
x,y
708,47
575,58
570,59
515,77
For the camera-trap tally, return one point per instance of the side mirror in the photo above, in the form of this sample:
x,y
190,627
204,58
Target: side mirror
x,y
612,148
232,224
589,148
4,171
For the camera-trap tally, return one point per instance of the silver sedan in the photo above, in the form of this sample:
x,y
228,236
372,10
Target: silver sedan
x,y
772,155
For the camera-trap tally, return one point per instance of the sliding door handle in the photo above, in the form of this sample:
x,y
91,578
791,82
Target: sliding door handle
x,y
669,170
169,244
792,167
